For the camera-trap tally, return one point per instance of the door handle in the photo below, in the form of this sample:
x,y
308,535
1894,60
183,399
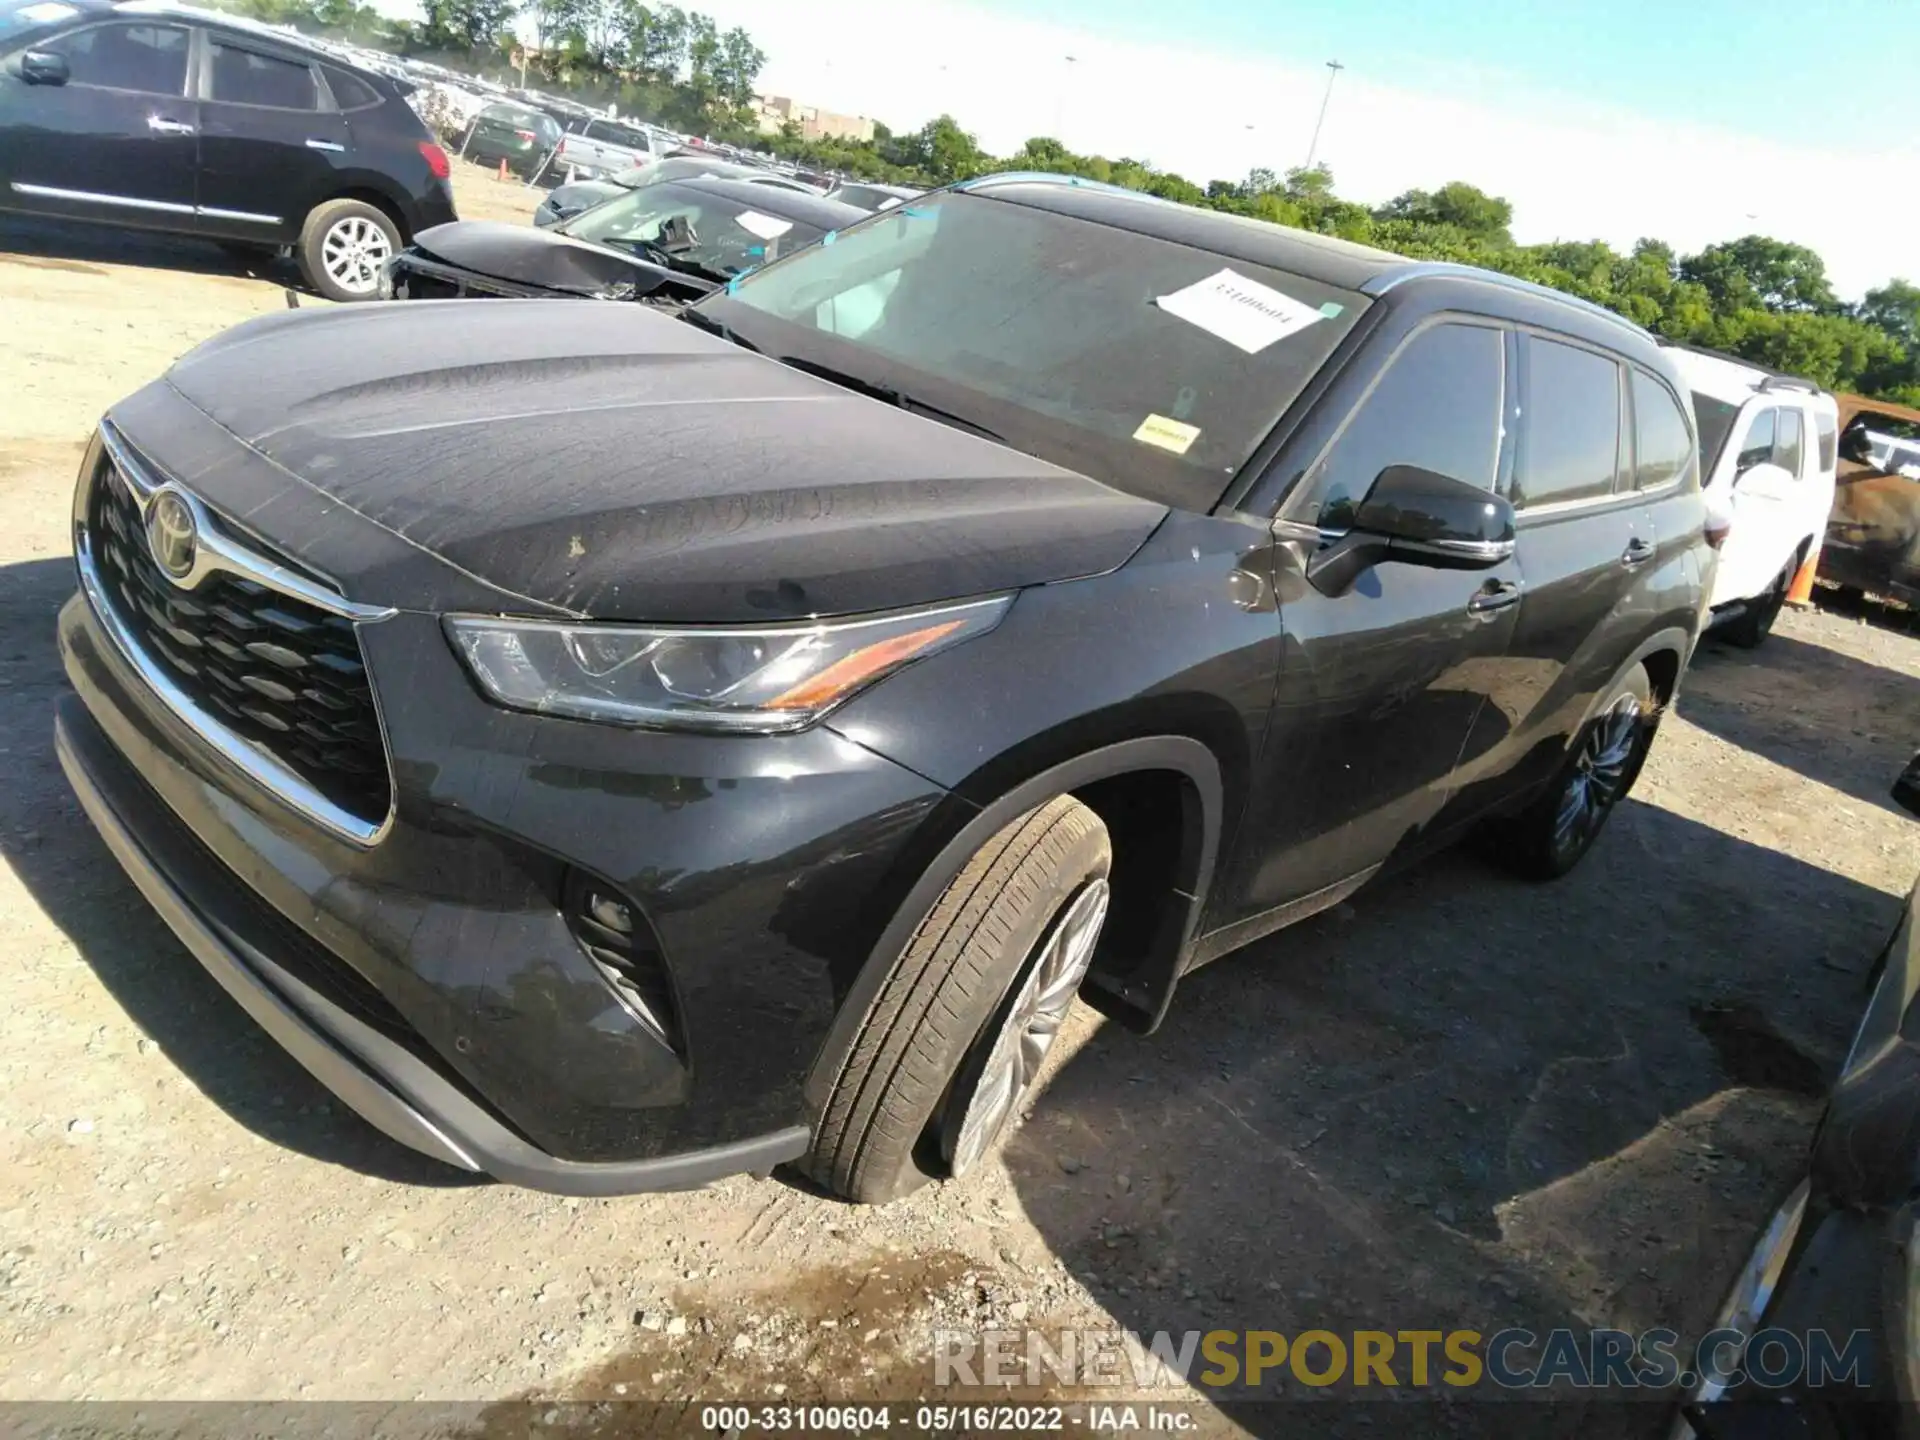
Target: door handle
x,y
160,125
1494,598
1638,552
332,146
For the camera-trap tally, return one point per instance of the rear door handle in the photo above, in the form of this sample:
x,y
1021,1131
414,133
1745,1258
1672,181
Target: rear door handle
x,y
160,125
332,146
1638,552
1485,603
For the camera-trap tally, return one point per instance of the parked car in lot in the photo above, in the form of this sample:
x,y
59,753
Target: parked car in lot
x,y
615,747
567,201
1873,533
1841,1256
162,118
518,134
672,241
594,145
1768,448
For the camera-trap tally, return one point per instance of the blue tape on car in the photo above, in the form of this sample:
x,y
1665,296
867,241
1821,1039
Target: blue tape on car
x,y
829,237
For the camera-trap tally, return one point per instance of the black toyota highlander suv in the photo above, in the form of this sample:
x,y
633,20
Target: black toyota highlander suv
x,y
165,117
620,747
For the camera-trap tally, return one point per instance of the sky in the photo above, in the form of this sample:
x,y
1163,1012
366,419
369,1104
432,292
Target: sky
x,y
1688,120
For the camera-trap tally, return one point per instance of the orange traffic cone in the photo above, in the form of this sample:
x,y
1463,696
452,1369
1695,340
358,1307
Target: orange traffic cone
x,y
503,167
1801,591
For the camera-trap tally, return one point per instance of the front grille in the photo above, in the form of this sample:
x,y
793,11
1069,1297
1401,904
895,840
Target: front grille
x,y
275,670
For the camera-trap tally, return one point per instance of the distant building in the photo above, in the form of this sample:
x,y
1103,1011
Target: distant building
x,y
815,123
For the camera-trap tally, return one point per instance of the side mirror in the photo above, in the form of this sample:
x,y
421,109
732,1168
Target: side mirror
x,y
1906,790
43,67
1418,518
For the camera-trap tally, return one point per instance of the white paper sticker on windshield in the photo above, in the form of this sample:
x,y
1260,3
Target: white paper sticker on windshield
x,y
767,227
1240,311
46,14
1174,435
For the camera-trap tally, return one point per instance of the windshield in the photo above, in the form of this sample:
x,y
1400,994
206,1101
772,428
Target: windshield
x,y
1715,419
1149,364
687,228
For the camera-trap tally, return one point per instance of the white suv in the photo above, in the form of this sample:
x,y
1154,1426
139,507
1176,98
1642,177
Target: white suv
x,y
1768,448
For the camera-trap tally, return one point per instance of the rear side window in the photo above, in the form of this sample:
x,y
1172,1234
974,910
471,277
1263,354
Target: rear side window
x,y
1438,407
350,92
1572,448
246,77
1757,447
1787,442
1828,428
151,59
1661,441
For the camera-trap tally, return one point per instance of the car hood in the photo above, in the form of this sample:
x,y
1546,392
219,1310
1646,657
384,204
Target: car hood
x,y
530,255
609,460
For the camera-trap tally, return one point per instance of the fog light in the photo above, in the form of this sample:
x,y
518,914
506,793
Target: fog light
x,y
625,952
614,914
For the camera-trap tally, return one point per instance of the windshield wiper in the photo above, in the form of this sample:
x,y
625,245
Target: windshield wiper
x,y
712,326
892,395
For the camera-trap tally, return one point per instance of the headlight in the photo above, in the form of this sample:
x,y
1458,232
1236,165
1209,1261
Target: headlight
x,y
737,681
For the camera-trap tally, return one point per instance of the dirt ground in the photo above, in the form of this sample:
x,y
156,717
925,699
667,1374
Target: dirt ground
x,y
1458,1101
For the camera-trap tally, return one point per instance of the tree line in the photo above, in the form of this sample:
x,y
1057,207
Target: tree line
x,y
1764,299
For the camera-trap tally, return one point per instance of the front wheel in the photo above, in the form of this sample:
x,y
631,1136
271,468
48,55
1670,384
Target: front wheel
x,y
343,246
1549,837
949,1052
1755,623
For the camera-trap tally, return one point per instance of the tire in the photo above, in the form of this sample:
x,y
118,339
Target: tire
x,y
1755,623
1549,837
1006,944
346,240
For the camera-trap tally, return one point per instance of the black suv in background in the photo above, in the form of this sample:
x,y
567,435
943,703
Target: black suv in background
x,y
173,119
615,747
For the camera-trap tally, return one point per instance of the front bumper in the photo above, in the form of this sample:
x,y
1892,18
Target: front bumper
x,y
383,1082
430,974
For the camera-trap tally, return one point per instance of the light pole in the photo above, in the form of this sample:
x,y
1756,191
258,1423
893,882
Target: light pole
x,y
1060,98
1334,67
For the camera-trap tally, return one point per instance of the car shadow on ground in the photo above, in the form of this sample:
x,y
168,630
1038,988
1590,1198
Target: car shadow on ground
x,y
51,846
1882,614
1760,699
77,246
1465,1102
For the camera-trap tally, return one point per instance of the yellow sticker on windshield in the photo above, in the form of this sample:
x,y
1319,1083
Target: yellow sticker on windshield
x,y
1174,435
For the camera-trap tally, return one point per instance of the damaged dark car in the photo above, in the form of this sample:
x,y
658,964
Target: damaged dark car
x,y
669,242
615,748
1820,1333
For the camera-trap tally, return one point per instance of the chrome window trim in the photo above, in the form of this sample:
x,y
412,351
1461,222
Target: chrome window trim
x,y
252,760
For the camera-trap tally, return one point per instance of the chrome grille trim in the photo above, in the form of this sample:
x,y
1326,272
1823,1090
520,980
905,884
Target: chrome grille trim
x,y
218,551
254,761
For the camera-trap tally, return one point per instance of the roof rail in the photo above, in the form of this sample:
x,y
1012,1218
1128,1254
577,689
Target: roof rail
x,y
1442,269
1772,379
1789,382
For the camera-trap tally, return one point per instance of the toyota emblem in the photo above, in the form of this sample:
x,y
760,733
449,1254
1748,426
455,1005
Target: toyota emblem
x,y
171,537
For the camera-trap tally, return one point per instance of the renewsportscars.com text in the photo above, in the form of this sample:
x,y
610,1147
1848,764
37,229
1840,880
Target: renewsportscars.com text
x,y
1513,1358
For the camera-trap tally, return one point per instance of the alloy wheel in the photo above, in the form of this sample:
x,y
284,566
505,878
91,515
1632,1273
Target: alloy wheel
x,y
1032,1024
1599,774
352,253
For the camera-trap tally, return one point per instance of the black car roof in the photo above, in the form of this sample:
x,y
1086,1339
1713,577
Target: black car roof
x,y
775,200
